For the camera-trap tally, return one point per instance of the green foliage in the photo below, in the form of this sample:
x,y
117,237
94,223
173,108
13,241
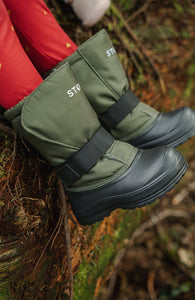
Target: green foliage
x,y
4,293
125,5
185,34
172,93
178,7
174,293
190,83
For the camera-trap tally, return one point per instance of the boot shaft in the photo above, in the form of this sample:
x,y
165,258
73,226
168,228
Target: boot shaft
x,y
58,121
100,73
102,78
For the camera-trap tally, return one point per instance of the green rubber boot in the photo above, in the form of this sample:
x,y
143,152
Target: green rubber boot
x,y
99,173
100,73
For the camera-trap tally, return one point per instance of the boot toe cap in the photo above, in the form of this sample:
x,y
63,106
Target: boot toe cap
x,y
172,128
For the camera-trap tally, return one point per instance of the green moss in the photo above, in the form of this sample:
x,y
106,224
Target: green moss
x,y
190,83
4,293
44,268
86,279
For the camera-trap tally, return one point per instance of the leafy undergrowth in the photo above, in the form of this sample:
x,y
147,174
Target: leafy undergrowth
x,y
154,40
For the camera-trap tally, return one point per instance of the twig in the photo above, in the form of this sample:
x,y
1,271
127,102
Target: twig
x,y
72,220
43,252
11,165
125,44
6,130
59,225
136,40
18,194
151,289
67,236
24,143
113,278
139,11
32,199
155,219
57,8
180,197
186,271
167,251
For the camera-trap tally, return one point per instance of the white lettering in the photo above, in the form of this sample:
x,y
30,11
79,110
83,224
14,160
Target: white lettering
x,y
70,93
78,87
74,90
110,52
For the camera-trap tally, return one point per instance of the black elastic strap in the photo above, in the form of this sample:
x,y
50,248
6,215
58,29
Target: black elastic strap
x,y
84,159
118,111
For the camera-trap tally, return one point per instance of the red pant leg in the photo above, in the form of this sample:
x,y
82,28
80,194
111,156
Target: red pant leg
x,y
18,76
41,36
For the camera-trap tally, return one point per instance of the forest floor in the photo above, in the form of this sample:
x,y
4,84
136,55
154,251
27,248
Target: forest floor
x,y
155,41
158,261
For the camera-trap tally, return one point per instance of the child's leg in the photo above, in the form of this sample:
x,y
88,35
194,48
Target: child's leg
x,y
18,76
41,36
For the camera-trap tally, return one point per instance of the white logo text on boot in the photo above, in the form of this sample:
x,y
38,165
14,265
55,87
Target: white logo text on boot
x,y
74,90
110,52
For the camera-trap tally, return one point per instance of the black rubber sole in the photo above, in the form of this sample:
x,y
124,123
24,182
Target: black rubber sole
x,y
106,205
175,140
177,136
184,138
138,204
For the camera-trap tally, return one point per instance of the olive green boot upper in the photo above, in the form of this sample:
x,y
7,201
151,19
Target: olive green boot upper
x,y
100,73
57,119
